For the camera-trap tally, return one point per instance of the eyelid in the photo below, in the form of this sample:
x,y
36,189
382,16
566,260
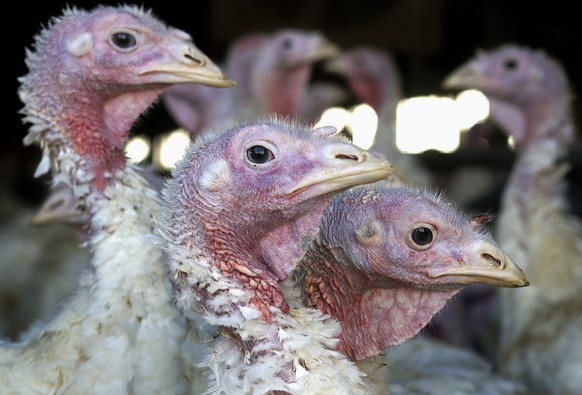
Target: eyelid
x,y
267,144
135,33
416,246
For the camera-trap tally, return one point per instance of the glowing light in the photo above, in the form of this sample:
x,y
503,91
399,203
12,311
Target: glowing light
x,y
511,143
334,116
472,107
422,123
170,148
425,123
137,149
363,125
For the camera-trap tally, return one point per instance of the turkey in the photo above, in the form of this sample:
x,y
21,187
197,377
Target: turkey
x,y
239,210
272,73
40,267
386,260
60,206
374,78
91,74
530,99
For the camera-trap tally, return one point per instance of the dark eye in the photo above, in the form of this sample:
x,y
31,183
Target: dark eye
x,y
123,40
511,64
287,43
422,236
259,154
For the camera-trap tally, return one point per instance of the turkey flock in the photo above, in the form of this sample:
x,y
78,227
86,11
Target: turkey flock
x,y
278,257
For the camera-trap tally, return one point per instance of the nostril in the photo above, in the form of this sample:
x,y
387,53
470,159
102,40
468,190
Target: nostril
x,y
347,157
492,260
193,59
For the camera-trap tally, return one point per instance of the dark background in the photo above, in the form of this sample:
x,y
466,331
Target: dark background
x,y
427,37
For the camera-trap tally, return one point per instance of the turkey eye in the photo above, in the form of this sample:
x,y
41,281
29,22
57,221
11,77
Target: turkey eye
x,y
422,236
123,40
259,154
510,64
287,43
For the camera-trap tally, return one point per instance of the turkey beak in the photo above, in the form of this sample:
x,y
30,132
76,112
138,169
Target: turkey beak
x,y
468,76
490,266
59,207
322,49
187,64
48,215
344,166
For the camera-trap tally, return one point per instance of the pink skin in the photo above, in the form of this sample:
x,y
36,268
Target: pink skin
x,y
281,75
94,88
237,204
366,270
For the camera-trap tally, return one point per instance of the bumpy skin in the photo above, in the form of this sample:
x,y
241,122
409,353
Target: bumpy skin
x,y
91,74
272,73
236,224
386,260
530,98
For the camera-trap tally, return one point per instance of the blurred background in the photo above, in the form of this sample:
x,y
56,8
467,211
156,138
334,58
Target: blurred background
x,y
428,38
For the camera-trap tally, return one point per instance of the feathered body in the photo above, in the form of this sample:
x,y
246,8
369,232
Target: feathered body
x,y
235,228
120,333
530,98
424,366
40,267
122,315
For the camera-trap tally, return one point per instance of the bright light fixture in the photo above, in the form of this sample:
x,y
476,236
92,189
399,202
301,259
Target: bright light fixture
x,y
337,117
138,148
425,123
363,125
170,148
472,107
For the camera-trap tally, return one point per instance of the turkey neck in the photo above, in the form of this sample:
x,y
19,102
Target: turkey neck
x,y
539,168
281,91
374,312
80,123
233,245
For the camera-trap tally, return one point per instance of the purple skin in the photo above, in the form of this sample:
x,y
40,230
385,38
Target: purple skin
x,y
526,90
91,74
387,259
246,204
99,71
